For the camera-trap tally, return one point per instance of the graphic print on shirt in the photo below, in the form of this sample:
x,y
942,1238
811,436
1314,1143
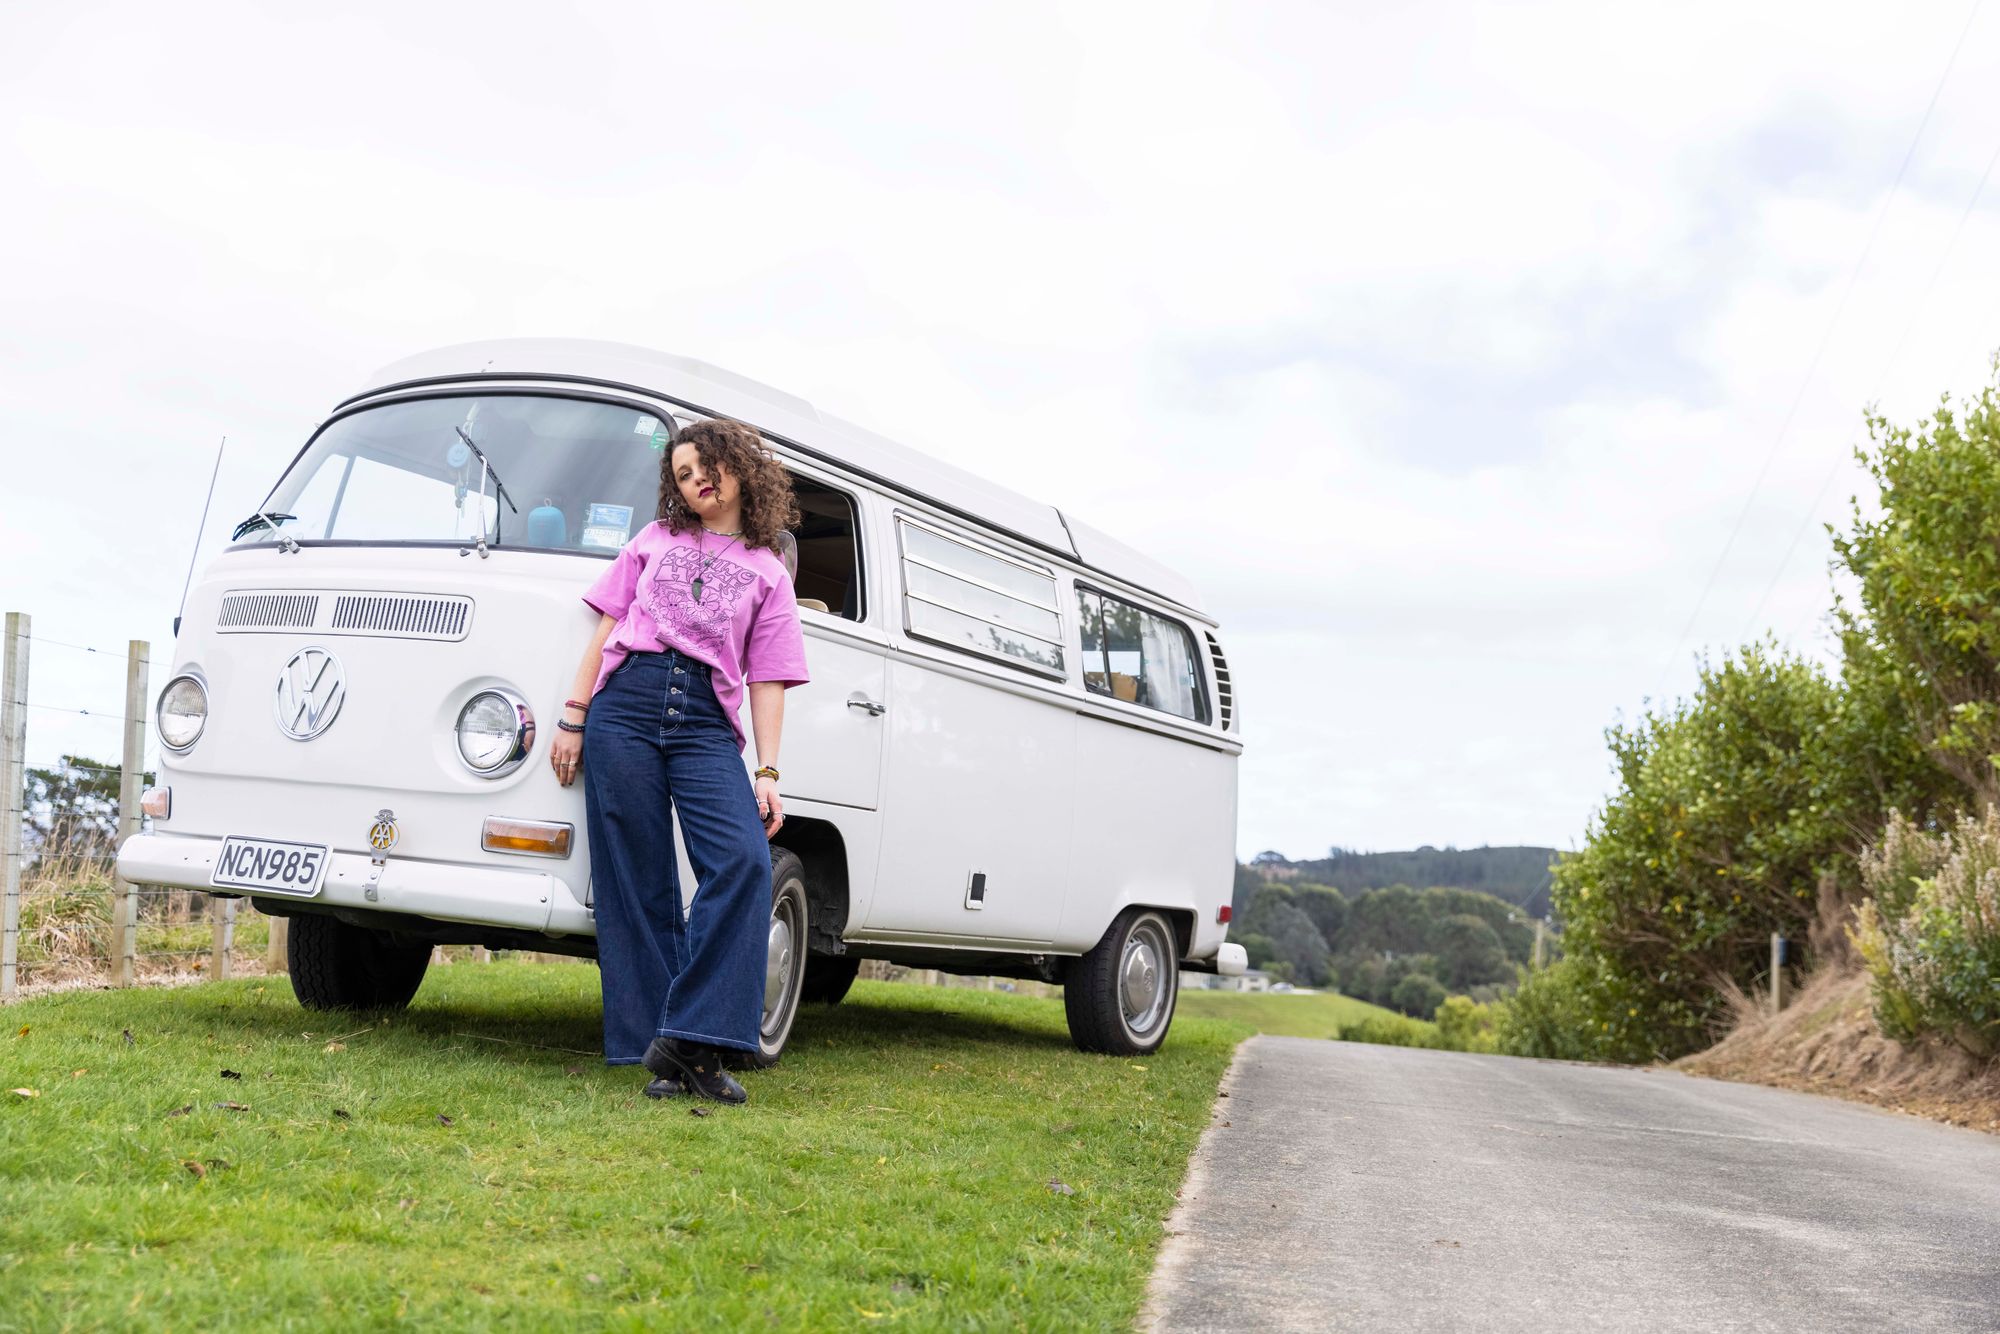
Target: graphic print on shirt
x,y
702,623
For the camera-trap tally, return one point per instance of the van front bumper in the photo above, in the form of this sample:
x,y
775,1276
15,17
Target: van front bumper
x,y
447,891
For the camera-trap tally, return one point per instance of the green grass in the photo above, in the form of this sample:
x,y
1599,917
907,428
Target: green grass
x,y
1285,1013
895,1169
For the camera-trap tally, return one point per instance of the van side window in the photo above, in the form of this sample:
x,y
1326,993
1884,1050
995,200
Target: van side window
x,y
828,578
966,597
1138,656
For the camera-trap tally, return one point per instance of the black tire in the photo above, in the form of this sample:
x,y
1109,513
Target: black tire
x,y
1120,996
784,978
828,976
340,967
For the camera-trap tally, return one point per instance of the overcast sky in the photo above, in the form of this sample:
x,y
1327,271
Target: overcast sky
x,y
1443,347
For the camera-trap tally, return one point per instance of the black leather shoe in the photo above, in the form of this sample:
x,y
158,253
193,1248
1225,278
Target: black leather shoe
x,y
697,1067
670,1087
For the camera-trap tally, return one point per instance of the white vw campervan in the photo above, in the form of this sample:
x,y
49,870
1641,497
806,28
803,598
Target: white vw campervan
x,y
1017,756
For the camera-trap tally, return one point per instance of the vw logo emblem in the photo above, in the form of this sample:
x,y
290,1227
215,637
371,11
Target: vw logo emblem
x,y
310,691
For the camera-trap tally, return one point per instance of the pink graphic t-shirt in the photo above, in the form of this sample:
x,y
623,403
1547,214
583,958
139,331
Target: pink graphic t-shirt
x,y
745,624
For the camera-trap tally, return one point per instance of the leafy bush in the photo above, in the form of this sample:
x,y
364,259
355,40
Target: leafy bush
x,y
1932,942
1461,1025
1390,1031
1586,1008
1922,643
1465,1025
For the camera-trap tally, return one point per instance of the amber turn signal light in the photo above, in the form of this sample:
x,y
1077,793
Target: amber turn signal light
x,y
536,838
157,802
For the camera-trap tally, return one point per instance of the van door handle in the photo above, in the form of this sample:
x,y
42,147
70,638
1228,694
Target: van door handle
x,y
860,701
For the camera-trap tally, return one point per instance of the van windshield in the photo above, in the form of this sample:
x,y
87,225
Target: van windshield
x,y
580,476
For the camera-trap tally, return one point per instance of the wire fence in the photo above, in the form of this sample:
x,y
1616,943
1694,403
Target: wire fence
x,y
68,920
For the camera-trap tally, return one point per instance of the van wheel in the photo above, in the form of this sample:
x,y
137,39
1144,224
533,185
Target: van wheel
x,y
1120,996
784,960
340,967
828,976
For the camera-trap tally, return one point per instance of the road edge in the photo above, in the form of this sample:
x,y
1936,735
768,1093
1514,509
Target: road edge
x,y
1176,1253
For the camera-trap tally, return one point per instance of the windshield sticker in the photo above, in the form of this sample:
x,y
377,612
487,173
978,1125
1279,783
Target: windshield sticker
x,y
606,526
660,440
645,425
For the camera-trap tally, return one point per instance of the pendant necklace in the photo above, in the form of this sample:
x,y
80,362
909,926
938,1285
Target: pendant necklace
x,y
694,585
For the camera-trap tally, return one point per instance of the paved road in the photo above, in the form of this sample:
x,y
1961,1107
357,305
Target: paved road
x,y
1344,1186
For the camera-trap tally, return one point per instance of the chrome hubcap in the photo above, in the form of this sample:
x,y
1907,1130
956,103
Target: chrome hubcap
x,y
777,966
1142,981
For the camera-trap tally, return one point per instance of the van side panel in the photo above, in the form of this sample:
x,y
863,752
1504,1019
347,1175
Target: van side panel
x,y
1155,823
979,782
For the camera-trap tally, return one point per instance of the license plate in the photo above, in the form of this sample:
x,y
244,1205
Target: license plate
x,y
270,865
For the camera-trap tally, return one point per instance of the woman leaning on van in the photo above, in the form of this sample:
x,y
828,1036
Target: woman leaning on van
x,y
696,609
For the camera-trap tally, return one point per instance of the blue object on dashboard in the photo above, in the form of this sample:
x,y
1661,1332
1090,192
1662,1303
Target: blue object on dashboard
x,y
547,527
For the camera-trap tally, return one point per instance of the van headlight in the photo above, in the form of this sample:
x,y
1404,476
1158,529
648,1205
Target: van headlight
x,y
496,730
181,713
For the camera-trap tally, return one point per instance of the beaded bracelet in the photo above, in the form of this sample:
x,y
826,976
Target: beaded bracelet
x,y
766,772
566,725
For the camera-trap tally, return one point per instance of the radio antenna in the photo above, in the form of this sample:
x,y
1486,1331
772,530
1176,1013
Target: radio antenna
x,y
195,555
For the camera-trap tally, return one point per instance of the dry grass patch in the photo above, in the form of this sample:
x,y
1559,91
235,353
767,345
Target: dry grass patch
x,y
1827,1042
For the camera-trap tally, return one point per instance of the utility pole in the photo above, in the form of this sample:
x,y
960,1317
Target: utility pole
x,y
1778,953
125,896
14,779
1541,941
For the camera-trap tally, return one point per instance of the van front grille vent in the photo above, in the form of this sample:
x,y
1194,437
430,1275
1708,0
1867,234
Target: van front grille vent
x,y
268,611
1225,694
402,616
357,612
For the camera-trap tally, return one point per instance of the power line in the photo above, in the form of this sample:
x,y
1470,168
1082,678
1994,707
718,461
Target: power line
x,y
1826,337
1916,315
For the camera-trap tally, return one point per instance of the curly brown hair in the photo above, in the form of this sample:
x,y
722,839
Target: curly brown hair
x,y
769,507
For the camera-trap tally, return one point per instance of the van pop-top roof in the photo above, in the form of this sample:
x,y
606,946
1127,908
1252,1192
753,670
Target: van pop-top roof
x,y
713,391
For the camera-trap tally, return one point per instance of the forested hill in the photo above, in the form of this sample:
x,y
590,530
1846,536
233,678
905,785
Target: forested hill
x,y
1518,875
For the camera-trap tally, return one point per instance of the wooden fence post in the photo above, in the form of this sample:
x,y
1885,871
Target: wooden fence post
x,y
275,958
13,779
225,938
125,896
1777,974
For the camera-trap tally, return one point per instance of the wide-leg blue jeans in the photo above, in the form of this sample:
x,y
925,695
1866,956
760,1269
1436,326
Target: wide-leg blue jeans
x,y
656,739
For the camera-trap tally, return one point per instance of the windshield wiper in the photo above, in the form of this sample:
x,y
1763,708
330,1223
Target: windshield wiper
x,y
486,469
267,519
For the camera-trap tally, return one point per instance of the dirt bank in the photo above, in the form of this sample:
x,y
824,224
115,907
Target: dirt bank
x,y
1826,1042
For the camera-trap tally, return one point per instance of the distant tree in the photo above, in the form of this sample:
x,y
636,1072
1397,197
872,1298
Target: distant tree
x,y
1392,920
1365,978
1269,858
1468,952
1258,949
1248,882
1509,923
1417,995
1327,908
1296,941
